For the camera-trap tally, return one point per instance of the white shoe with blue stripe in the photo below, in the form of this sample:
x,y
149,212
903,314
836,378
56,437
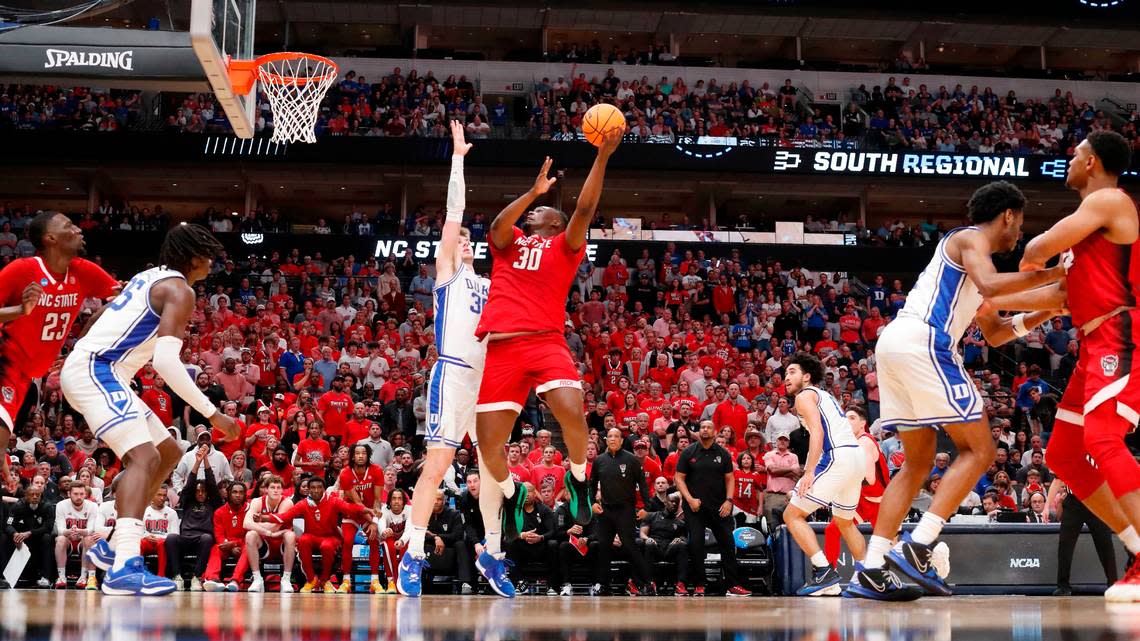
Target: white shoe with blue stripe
x,y
134,580
101,555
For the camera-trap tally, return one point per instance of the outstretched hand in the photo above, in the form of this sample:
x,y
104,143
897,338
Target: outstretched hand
x,y
542,183
459,143
610,141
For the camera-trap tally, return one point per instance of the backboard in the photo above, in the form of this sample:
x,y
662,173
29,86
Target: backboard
x,y
221,30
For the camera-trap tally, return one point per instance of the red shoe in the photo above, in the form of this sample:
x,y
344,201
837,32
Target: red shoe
x,y
1127,589
61,584
738,590
631,588
699,590
680,589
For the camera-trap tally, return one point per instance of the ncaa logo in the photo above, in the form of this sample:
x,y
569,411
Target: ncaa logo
x,y
8,394
1109,364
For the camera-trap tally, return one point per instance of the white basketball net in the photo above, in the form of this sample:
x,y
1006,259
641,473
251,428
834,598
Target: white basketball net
x,y
295,87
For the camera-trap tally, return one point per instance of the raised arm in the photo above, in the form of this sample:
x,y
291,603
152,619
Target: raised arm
x,y
980,268
592,191
501,234
448,254
1101,209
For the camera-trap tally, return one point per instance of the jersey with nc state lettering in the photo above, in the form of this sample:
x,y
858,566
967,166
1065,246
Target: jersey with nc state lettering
x,y
126,332
31,343
530,279
458,304
836,430
944,297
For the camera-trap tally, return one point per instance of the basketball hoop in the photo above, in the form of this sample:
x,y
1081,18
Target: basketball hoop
x,y
295,84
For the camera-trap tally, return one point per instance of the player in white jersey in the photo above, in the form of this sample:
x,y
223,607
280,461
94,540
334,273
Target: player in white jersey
x,y
145,322
453,386
75,521
923,385
833,473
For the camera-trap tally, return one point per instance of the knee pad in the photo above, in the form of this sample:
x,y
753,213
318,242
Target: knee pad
x,y
1067,457
1104,441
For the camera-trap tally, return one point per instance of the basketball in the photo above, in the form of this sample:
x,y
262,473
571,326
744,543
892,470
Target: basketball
x,y
599,120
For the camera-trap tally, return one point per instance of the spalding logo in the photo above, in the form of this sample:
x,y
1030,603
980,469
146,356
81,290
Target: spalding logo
x,y
1025,563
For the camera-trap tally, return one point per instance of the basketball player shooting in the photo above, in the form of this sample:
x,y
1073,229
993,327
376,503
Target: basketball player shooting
x,y
923,385
41,297
1102,402
522,325
147,320
453,388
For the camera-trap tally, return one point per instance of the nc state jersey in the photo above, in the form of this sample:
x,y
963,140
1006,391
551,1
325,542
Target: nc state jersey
x,y
530,279
69,517
1104,276
31,343
160,522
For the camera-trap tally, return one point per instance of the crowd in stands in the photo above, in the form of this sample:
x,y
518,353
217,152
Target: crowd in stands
x,y
317,354
900,114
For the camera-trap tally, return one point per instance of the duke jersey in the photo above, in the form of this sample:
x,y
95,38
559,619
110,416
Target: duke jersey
x,y
530,280
944,297
126,332
459,303
836,430
1104,277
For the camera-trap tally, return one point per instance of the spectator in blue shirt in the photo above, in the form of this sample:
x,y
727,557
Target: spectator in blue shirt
x,y
742,334
292,362
1057,342
499,113
808,128
1024,402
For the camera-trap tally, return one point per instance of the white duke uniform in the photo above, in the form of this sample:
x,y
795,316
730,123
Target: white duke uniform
x,y
922,381
453,387
839,474
95,377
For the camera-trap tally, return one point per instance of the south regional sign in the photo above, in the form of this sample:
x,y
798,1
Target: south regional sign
x,y
901,163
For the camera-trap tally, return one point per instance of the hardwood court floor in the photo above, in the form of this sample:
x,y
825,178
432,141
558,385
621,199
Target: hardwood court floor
x,y
83,616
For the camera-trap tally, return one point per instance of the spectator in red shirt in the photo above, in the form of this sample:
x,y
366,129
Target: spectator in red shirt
x,y
824,346
538,452
661,373
335,407
849,326
517,464
733,412
748,494
322,515
723,298
256,435
873,326
229,538
313,452
547,473
669,468
159,401
221,443
356,430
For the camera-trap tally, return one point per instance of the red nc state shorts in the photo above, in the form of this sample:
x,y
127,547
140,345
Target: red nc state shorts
x,y
515,365
14,386
1104,371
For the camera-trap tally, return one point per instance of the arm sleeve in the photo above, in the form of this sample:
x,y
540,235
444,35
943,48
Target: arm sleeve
x,y
168,364
456,189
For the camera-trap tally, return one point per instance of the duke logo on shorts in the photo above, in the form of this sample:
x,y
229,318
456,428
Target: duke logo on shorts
x,y
453,387
922,381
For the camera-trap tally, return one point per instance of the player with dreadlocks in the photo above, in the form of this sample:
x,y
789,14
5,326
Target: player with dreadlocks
x,y
147,320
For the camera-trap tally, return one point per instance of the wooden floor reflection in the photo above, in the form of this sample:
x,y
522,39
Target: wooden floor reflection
x,y
82,616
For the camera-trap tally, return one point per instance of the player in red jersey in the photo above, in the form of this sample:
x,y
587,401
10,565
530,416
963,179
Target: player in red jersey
x,y
361,483
1101,403
523,321
277,542
41,296
874,482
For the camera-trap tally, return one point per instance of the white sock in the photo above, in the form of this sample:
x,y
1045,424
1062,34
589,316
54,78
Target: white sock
x,y
928,528
285,576
819,560
507,486
494,542
257,576
127,540
578,470
877,549
62,574
1130,539
416,543
491,509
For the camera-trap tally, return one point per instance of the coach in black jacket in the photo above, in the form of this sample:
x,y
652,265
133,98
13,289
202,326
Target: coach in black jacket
x,y
704,477
445,542
32,522
618,475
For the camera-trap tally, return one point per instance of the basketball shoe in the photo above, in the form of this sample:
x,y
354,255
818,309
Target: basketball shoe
x,y
879,584
496,571
101,555
133,579
1127,589
914,560
824,581
408,579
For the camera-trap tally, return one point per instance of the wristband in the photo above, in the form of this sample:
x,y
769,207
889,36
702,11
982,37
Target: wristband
x,y
1019,328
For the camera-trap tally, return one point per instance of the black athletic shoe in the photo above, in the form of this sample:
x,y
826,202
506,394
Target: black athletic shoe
x,y
913,560
1063,590
513,514
879,584
824,581
579,502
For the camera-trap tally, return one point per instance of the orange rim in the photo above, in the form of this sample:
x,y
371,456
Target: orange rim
x,y
243,73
